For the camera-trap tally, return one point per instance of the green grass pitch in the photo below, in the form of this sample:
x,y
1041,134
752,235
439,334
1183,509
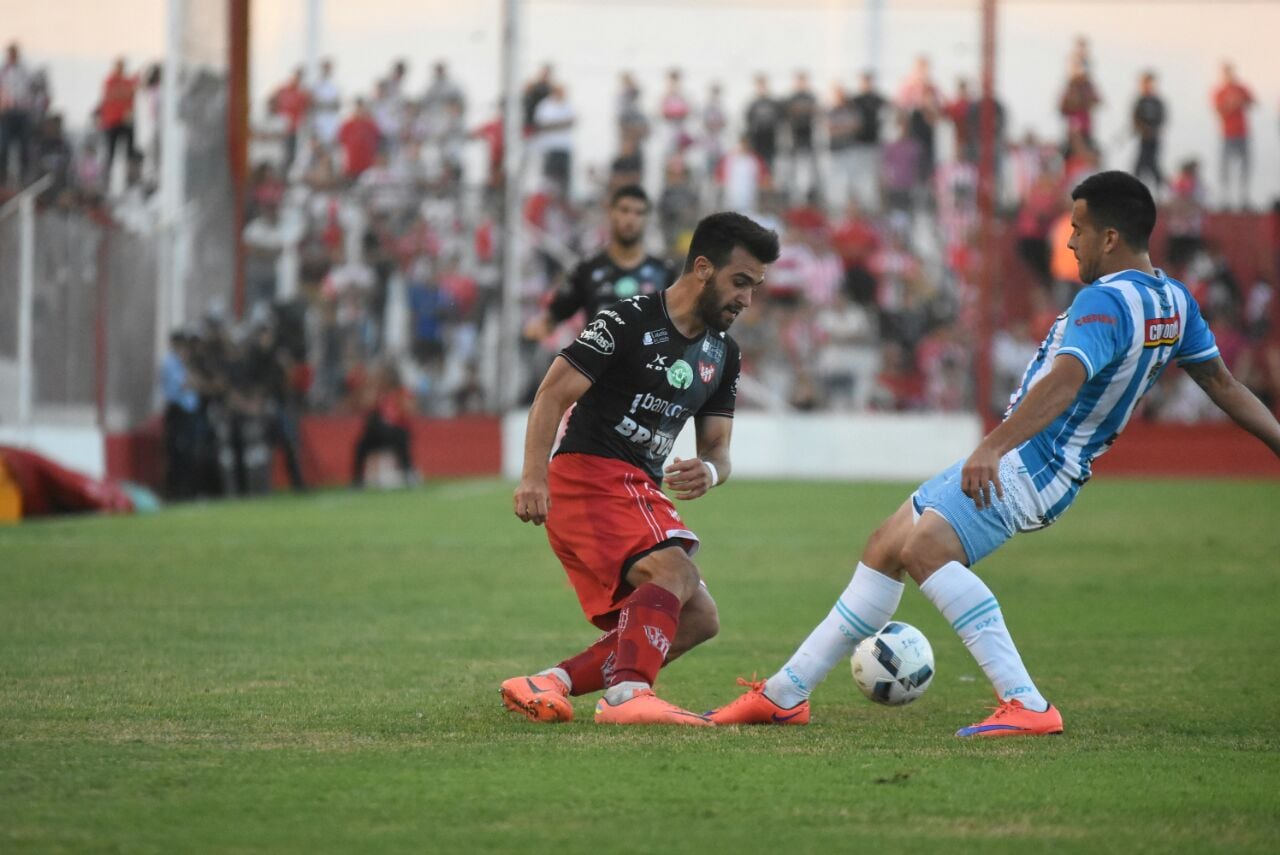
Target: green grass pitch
x,y
320,674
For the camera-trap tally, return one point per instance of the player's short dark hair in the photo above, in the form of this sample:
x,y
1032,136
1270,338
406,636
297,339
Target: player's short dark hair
x,y
717,234
629,191
1119,201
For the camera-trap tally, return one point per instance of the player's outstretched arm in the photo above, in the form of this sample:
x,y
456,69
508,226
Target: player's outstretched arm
x,y
563,385
1234,398
1044,403
693,478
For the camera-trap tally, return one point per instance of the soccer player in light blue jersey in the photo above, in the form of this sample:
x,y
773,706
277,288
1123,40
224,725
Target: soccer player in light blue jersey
x,y
1098,360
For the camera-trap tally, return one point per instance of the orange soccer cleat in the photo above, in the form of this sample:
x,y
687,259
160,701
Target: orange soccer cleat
x,y
755,708
1011,718
644,707
542,697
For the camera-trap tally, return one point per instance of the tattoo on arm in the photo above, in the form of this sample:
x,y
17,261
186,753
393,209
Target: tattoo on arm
x,y
1207,373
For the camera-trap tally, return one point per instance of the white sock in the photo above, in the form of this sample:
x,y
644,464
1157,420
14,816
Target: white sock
x,y
621,692
864,607
975,615
561,675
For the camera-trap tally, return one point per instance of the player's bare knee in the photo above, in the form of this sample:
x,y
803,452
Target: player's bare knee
x,y
670,568
921,556
884,547
706,626
880,551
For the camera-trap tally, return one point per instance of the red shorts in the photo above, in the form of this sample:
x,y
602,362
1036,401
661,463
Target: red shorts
x,y
605,515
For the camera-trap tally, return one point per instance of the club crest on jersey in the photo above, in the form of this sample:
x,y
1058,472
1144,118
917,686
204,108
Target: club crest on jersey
x,y
707,371
657,639
1162,331
597,337
680,375
655,337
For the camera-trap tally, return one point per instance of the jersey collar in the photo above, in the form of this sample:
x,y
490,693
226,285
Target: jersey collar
x,y
1131,274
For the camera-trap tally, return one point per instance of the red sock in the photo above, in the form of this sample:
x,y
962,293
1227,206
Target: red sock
x,y
646,627
590,669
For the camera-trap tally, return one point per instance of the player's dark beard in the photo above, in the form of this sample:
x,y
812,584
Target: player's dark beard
x,y
709,308
626,241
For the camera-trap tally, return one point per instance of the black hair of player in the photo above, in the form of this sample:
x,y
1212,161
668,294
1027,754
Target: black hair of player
x,y
630,191
716,235
1119,201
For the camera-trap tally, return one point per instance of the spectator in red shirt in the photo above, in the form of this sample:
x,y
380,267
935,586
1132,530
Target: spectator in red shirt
x,y
1078,101
291,101
115,115
1231,100
386,426
957,111
491,134
359,138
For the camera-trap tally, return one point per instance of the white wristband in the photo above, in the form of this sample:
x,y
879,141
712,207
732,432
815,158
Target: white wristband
x,y
715,476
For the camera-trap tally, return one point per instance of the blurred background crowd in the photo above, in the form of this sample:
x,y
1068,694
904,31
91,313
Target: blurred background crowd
x,y
372,229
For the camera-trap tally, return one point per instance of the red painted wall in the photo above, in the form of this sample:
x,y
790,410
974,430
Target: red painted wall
x,y
470,445
1221,450
458,447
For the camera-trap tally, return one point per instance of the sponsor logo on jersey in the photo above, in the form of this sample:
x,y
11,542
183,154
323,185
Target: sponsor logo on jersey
x,y
655,337
1095,319
657,639
713,347
658,443
653,404
707,371
597,337
658,363
680,375
1161,331
614,316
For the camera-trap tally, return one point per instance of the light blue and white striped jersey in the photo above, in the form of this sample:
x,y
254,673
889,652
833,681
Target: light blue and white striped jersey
x,y
1124,329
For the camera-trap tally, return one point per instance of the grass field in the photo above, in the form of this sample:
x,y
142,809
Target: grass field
x,y
320,674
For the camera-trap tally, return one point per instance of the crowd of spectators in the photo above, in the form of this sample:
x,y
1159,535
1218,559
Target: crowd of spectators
x,y
372,236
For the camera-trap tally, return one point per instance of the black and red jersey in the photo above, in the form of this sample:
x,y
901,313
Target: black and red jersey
x,y
647,380
598,282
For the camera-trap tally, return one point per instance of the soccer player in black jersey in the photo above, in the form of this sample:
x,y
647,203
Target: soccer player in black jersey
x,y
637,372
621,270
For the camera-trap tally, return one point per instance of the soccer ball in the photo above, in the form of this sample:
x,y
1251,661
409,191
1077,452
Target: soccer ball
x,y
894,666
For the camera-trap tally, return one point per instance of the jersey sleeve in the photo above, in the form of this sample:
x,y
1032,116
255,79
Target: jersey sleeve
x,y
570,296
725,397
1098,329
1198,343
601,341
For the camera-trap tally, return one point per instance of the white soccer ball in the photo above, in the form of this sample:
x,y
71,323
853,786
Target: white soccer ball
x,y
894,666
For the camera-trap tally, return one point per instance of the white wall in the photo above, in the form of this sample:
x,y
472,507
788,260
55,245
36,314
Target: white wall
x,y
79,448
818,446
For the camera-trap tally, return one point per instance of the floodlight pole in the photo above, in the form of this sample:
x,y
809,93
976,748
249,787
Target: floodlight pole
x,y
238,139
875,35
512,120
26,205
172,191
313,12
987,192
